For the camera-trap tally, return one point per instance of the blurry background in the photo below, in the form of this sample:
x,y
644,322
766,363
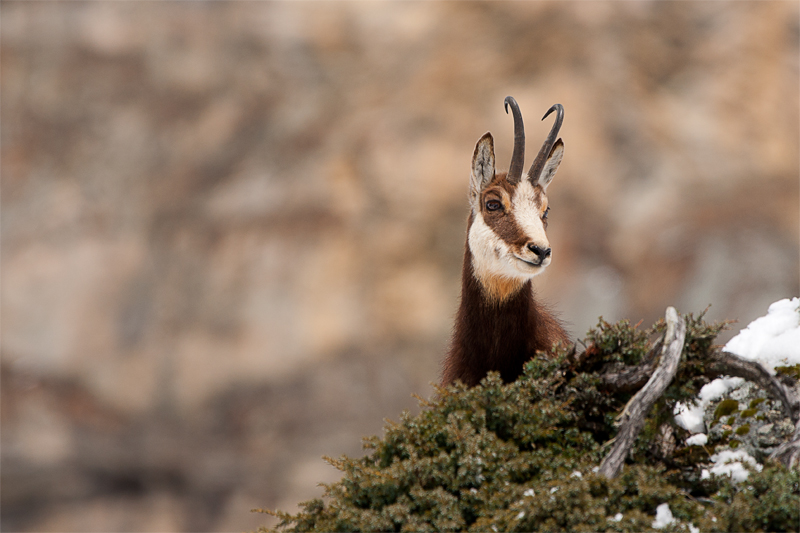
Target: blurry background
x,y
232,232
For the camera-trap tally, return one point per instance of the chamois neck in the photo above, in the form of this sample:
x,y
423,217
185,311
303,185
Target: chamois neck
x,y
496,335
490,333
498,289
491,292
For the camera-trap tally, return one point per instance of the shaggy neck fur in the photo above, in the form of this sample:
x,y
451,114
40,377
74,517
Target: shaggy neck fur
x,y
499,327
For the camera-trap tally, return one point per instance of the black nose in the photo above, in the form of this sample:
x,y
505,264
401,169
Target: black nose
x,y
540,253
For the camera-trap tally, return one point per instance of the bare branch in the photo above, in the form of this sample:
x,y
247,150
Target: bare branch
x,y
788,453
633,416
631,378
729,364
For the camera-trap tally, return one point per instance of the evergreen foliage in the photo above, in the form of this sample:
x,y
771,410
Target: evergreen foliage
x,y
521,457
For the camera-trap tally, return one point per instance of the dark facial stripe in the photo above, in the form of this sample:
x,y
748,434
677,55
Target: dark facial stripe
x,y
502,221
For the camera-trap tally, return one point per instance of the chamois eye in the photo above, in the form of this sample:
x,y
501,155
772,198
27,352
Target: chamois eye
x,y
493,205
546,211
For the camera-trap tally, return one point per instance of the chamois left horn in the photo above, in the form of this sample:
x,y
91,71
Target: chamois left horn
x,y
547,146
518,155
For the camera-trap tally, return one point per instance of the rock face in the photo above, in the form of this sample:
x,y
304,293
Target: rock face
x,y
746,419
232,233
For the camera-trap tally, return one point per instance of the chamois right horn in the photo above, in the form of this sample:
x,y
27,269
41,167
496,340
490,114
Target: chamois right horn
x,y
547,146
518,155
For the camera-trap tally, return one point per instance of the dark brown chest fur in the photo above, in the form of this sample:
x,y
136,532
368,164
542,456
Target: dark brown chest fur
x,y
496,336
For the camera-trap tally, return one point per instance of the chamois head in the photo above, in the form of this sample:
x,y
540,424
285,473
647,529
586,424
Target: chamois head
x,y
509,210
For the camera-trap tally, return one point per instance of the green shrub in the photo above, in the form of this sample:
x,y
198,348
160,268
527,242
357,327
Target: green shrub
x,y
521,457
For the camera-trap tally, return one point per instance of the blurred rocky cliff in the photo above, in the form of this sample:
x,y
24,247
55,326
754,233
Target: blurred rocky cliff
x,y
232,232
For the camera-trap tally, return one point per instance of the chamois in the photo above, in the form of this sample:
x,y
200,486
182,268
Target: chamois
x,y
500,325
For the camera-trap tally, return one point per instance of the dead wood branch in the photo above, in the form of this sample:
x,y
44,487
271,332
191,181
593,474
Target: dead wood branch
x,y
728,364
632,378
633,416
788,453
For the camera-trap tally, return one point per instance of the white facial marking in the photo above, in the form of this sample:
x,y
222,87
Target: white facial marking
x,y
494,258
491,256
528,214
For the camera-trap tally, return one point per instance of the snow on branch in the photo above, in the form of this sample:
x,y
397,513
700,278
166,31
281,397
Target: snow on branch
x,y
655,374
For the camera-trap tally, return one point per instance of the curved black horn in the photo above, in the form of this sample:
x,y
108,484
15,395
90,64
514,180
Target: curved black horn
x,y
518,155
538,163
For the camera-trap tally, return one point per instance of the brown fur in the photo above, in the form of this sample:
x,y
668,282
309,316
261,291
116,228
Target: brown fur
x,y
503,225
498,289
492,335
500,325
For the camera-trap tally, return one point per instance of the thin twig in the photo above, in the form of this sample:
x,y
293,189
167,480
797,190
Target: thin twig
x,y
633,416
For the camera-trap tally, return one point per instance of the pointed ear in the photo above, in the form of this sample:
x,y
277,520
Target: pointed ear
x,y
482,165
551,165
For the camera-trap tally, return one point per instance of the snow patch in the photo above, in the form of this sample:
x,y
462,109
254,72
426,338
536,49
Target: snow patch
x,y
772,340
731,463
697,440
663,516
690,417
